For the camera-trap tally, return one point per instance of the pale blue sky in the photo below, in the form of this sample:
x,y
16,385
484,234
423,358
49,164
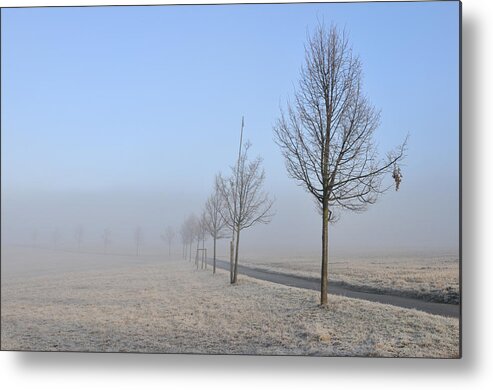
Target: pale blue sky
x,y
141,106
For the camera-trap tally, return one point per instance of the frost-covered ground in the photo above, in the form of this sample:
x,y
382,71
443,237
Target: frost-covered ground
x,y
432,278
127,304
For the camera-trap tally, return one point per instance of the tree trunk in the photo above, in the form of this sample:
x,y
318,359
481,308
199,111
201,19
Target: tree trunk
x,y
190,251
325,253
235,274
214,260
231,260
203,254
169,250
197,254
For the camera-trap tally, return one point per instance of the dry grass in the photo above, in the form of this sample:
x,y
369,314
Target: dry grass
x,y
172,308
433,278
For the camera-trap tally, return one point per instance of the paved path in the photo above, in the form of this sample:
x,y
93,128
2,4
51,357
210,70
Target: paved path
x,y
443,309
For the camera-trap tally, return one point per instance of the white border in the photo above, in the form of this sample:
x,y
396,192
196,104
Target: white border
x,y
86,371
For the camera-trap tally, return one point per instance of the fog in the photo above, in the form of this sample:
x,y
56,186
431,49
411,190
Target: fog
x,y
125,125
400,222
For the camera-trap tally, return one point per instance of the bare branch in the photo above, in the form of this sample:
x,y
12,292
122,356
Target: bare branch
x,y
326,137
215,223
244,203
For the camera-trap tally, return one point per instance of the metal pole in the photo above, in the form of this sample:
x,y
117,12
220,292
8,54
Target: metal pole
x,y
236,197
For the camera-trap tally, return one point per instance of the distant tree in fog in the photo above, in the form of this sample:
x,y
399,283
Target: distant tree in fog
x,y
79,235
138,239
189,231
215,224
106,239
168,237
197,236
203,236
244,201
184,240
326,135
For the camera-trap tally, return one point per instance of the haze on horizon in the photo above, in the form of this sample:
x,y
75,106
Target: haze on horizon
x,y
118,117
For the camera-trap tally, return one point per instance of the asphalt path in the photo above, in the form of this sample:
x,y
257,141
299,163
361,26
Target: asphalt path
x,y
442,309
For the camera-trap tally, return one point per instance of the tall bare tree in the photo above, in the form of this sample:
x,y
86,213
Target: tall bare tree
x,y
326,135
215,224
245,202
184,239
199,235
168,237
203,235
189,231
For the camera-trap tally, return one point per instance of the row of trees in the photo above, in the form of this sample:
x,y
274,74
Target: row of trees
x,y
237,202
168,237
326,136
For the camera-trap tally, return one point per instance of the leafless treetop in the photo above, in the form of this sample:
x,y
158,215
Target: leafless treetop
x,y
215,224
169,235
245,202
326,136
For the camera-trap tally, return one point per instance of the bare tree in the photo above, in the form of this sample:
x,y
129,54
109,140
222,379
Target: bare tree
x,y
203,237
168,237
198,235
326,135
215,224
245,202
189,231
79,235
106,239
184,239
138,239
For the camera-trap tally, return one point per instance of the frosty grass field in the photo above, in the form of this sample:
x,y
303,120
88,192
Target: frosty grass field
x,y
149,304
